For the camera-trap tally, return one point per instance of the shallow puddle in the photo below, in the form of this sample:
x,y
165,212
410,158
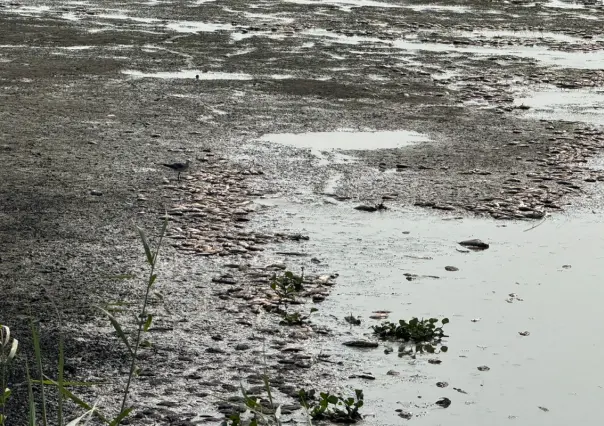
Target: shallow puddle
x,y
346,4
439,8
326,141
546,281
189,74
569,105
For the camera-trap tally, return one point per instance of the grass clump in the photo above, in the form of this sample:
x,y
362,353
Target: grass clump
x,y
38,409
426,334
331,407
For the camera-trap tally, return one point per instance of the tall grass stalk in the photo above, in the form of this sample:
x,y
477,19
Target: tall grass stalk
x,y
144,319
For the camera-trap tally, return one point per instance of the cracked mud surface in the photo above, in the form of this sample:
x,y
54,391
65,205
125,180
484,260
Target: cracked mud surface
x,y
96,95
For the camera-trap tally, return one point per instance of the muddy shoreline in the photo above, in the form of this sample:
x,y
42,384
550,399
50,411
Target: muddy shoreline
x,y
97,95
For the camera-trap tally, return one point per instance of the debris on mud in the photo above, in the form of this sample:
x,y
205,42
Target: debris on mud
x,y
451,268
361,344
483,368
375,208
474,244
407,415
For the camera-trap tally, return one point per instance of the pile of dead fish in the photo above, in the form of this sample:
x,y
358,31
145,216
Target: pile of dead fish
x,y
562,171
210,207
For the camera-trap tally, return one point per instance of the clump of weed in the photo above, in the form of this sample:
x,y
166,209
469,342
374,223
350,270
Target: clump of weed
x,y
425,334
335,408
287,285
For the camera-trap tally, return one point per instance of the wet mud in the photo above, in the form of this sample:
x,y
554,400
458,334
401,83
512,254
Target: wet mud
x,y
476,110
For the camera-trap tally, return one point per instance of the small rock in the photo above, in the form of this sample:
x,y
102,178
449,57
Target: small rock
x,y
242,347
475,320
434,361
474,244
444,402
388,350
545,410
407,415
361,344
483,368
393,373
315,260
524,333
442,384
460,390
96,193
375,208
451,268
566,266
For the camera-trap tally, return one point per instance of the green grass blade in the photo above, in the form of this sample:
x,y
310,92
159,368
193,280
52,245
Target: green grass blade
x,y
38,352
31,417
118,329
81,403
61,378
161,237
121,416
148,253
148,322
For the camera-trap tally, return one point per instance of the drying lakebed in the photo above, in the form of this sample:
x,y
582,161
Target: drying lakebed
x,y
340,151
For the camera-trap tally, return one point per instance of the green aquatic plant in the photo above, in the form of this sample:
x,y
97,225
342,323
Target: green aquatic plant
x,y
416,330
287,285
336,408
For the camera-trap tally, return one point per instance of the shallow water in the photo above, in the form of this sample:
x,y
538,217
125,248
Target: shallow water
x,y
571,105
556,367
347,140
189,74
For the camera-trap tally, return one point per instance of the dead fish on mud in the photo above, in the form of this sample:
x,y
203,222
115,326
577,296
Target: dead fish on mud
x,y
474,244
377,207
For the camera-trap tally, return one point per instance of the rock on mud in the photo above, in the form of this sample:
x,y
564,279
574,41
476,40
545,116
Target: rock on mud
x,y
474,244
443,402
371,209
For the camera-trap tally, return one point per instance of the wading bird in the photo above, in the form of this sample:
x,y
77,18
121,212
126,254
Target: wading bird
x,y
179,167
